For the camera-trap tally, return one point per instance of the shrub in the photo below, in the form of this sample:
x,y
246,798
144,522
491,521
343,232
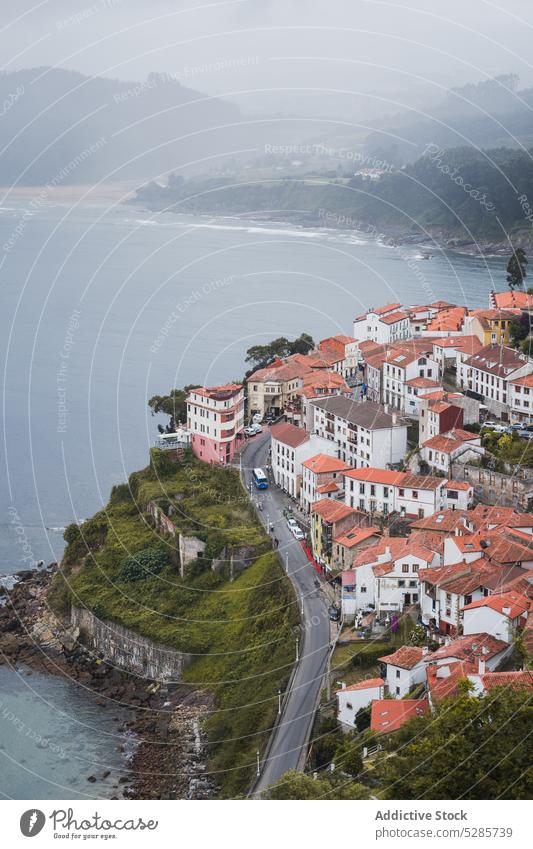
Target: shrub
x,y
144,564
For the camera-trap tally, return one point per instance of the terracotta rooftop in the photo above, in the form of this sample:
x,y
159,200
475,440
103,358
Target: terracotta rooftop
x,y
443,681
513,680
445,521
471,647
516,603
322,463
327,487
375,475
405,657
527,380
450,441
363,685
463,486
389,714
355,536
289,434
422,382
331,510
512,299
393,317
420,481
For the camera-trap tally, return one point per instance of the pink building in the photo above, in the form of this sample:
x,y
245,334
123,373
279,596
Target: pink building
x,y
215,415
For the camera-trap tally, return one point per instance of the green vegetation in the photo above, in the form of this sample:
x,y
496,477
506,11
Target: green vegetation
x,y
260,356
173,405
237,633
506,451
296,785
469,748
517,269
460,194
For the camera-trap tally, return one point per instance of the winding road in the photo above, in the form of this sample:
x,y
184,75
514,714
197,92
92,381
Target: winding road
x,y
288,742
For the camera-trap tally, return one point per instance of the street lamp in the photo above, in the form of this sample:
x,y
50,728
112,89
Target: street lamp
x,y
258,772
279,702
297,649
287,562
302,600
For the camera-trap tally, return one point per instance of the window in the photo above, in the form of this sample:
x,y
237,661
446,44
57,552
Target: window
x,y
397,673
349,705
401,583
397,691
405,567
401,493
415,494
363,589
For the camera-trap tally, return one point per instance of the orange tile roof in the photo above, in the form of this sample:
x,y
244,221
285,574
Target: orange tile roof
x,y
289,434
443,681
420,481
385,309
321,463
461,485
356,535
516,603
451,440
327,487
448,320
363,685
527,380
514,299
471,647
443,522
422,382
465,344
513,680
393,317
331,510
405,657
375,475
389,714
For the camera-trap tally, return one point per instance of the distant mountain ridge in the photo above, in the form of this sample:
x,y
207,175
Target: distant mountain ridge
x,y
63,126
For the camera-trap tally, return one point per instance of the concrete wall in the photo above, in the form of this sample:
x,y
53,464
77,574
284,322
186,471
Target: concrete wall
x,y
127,650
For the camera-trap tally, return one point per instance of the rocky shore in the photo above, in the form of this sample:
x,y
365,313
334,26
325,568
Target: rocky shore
x,y
169,758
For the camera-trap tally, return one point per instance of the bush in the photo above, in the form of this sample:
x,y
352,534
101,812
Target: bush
x,y
366,655
144,564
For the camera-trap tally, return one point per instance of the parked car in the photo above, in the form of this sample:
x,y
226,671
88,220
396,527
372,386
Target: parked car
x,y
500,428
334,613
252,429
292,523
297,532
489,425
525,434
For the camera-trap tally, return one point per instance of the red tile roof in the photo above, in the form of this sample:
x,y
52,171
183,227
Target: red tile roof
x,y
514,680
463,486
405,657
516,603
289,434
389,714
512,299
327,487
321,463
354,536
393,317
363,685
527,380
422,382
374,475
471,647
450,441
445,521
443,681
420,481
331,510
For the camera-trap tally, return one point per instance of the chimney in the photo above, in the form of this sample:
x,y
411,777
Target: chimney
x,y
481,667
506,611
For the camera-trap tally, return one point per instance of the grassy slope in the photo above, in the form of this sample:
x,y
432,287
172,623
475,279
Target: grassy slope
x,y
239,633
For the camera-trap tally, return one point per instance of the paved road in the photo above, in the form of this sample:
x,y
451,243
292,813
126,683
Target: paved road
x,y
289,740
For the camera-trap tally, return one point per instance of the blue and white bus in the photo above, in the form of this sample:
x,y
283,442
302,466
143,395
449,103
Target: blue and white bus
x,y
260,479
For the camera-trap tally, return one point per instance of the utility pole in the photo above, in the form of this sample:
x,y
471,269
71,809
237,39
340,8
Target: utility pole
x,y
287,562
297,649
302,600
258,772
328,672
279,702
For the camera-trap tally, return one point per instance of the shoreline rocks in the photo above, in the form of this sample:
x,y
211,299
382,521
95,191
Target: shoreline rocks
x,y
169,747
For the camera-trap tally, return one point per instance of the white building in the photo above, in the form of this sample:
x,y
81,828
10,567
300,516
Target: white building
x,y
364,433
521,399
441,451
459,495
383,491
290,447
405,669
215,419
384,324
322,477
404,365
503,616
351,699
489,374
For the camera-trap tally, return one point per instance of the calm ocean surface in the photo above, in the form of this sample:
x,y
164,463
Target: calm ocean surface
x,y
102,307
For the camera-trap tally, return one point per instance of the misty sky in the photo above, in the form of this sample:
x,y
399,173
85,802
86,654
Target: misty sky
x,y
271,55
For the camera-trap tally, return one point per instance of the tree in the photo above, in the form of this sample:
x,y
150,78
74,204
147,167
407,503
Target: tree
x,y
517,269
519,329
260,356
144,564
173,405
297,785
469,748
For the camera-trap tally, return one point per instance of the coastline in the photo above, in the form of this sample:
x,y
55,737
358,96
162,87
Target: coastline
x,y
169,755
437,240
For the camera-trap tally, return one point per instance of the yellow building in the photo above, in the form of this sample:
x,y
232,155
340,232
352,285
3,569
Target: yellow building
x,y
492,325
